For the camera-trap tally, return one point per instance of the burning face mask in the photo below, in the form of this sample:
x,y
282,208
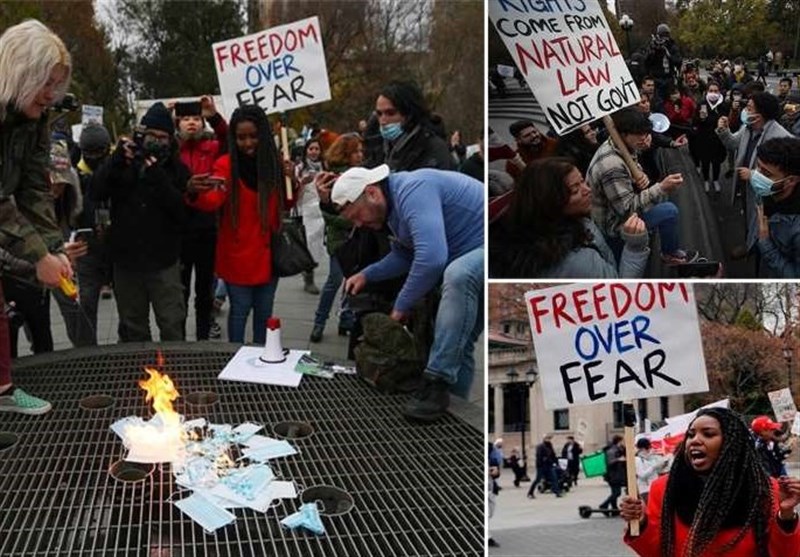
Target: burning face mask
x,y
205,513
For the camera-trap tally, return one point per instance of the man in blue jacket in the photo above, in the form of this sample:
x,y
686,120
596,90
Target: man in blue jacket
x,y
435,220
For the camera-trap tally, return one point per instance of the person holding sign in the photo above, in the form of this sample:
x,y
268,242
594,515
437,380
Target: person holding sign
x,y
717,498
548,232
616,196
251,199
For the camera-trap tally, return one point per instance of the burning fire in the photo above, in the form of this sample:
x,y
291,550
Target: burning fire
x,y
163,438
161,390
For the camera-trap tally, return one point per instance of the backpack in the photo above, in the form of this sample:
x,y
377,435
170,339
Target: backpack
x,y
388,357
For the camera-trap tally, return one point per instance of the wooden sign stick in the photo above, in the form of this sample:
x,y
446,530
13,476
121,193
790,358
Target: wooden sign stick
x,y
616,138
285,152
629,416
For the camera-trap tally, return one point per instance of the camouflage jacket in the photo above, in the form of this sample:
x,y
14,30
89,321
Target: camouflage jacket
x,y
28,226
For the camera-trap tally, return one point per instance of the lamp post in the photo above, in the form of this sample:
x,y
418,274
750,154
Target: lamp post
x,y
787,356
525,384
626,23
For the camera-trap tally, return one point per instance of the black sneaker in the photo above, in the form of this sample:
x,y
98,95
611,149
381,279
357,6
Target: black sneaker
x,y
429,402
493,543
316,333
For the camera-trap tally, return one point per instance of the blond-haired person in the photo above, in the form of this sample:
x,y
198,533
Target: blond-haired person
x,y
35,71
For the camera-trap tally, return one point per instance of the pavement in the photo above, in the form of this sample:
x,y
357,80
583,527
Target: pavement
x,y
295,308
548,526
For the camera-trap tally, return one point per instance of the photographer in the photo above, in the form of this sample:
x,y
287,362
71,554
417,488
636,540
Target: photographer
x,y
663,59
27,224
144,179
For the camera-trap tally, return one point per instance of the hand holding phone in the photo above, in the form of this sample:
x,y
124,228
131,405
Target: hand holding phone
x,y
81,235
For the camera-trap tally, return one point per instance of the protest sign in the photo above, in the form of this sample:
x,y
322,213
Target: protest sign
x,y
783,405
278,69
91,113
598,343
568,55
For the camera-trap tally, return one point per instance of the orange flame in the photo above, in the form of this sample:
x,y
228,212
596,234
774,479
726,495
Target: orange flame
x,y
162,392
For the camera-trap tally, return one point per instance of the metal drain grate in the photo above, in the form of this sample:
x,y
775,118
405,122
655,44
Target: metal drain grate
x,y
416,490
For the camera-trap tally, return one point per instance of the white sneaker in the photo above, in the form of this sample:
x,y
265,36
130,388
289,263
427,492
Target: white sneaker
x,y
717,187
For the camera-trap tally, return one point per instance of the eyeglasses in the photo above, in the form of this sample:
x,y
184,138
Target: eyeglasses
x,y
388,112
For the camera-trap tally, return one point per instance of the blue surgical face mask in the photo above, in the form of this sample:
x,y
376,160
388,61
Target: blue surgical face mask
x,y
275,449
762,186
205,513
390,132
307,517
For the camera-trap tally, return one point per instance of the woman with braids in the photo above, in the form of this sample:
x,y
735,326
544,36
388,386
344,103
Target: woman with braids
x,y
717,499
547,232
250,198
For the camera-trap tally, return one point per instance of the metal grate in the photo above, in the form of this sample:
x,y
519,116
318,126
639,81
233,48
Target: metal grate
x,y
417,490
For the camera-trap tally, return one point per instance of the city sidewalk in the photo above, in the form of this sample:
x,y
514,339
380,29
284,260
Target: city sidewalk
x,y
293,306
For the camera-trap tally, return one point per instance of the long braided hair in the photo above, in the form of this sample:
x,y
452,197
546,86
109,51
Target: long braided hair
x,y
269,170
735,494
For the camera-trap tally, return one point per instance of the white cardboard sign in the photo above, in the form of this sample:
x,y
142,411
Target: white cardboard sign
x,y
568,55
783,405
605,342
278,69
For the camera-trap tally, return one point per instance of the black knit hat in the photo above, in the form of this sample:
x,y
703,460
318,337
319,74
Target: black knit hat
x,y
158,117
94,137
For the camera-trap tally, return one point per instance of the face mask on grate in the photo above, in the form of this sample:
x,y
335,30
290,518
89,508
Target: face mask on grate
x,y
205,513
307,517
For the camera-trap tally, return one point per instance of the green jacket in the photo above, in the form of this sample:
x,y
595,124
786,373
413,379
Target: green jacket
x,y
28,227
337,228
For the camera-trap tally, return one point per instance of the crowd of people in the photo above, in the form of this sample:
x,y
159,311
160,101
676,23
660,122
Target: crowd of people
x,y
189,194
572,207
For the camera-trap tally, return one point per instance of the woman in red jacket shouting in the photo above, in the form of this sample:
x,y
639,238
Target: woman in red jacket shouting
x,y
247,184
717,498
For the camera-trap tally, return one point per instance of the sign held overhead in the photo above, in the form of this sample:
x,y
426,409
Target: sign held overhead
x,y
606,342
278,69
568,55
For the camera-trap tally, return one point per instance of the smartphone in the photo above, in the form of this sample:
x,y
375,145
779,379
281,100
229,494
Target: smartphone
x,y
81,235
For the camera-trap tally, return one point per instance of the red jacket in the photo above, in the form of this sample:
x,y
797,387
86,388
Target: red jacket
x,y
243,255
683,113
199,155
779,543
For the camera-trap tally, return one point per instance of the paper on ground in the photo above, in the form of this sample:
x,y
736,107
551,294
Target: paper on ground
x,y
246,366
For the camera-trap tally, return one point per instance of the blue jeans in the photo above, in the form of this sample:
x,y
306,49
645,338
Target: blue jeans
x,y
243,298
459,322
546,473
664,217
329,289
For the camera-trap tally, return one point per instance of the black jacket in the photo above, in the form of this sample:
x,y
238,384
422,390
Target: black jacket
x,y
419,148
147,211
545,456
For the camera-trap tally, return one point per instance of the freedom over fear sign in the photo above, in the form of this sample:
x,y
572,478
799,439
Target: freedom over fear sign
x,y
607,342
278,69
568,55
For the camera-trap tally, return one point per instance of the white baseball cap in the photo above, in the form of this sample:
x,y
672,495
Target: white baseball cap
x,y
351,184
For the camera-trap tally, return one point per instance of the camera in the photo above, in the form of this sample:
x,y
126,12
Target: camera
x,y
68,104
